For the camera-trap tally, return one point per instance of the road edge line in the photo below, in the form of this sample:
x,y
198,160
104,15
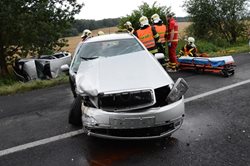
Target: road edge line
x,y
40,142
216,91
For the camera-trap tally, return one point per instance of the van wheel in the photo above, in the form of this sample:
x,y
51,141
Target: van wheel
x,y
75,113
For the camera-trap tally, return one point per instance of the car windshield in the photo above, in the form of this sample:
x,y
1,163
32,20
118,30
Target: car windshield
x,y
93,50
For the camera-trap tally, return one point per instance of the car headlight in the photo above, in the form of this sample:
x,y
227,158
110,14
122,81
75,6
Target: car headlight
x,y
178,90
88,120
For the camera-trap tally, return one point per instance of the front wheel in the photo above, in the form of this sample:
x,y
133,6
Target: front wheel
x,y
75,114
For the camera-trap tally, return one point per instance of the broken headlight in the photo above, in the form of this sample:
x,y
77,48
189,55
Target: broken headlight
x,y
179,89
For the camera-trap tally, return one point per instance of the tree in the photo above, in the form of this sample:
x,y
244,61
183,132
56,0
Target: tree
x,y
218,19
33,25
145,10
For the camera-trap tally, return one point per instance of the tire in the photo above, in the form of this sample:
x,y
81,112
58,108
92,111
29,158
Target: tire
x,y
73,88
75,113
225,73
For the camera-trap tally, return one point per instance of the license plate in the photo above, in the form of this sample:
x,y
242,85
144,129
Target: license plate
x,y
138,122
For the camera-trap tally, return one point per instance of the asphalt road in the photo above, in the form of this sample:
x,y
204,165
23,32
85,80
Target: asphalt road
x,y
216,130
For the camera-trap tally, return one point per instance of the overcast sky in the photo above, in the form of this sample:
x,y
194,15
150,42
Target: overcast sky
x,y
100,9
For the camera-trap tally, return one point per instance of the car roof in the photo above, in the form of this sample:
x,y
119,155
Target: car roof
x,y
109,37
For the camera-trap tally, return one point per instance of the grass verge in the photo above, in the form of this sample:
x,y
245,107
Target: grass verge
x,y
215,50
17,87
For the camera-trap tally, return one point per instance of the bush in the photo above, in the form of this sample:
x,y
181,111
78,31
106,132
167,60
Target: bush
x,y
7,80
205,47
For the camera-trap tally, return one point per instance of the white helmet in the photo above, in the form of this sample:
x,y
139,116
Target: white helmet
x,y
143,21
155,18
190,40
128,23
100,33
86,33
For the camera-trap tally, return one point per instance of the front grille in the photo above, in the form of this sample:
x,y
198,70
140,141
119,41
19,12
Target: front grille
x,y
142,132
126,100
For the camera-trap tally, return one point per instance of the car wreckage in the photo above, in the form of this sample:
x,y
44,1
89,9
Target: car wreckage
x,y
45,67
121,90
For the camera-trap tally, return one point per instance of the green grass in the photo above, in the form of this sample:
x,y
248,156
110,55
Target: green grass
x,y
8,80
11,86
218,48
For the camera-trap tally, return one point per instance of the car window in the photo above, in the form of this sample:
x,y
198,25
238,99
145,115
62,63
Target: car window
x,y
105,49
109,48
47,57
58,55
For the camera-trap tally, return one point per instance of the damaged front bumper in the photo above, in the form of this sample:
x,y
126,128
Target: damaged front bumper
x,y
138,124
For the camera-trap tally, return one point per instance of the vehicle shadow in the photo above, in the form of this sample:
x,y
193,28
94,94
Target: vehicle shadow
x,y
105,152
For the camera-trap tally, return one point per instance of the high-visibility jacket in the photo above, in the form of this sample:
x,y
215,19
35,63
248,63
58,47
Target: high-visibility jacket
x,y
146,37
161,30
188,50
172,25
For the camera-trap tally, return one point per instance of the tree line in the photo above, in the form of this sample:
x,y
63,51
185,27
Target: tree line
x,y
79,25
39,27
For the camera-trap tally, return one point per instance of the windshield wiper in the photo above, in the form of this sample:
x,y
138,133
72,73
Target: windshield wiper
x,y
89,58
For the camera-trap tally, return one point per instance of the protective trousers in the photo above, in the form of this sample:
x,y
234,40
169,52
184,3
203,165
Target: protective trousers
x,y
172,55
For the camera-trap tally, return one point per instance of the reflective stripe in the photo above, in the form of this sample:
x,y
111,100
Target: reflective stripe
x,y
157,35
185,50
148,44
188,52
171,65
173,40
153,51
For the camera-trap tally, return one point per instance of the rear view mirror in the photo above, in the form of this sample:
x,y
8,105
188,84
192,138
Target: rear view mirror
x,y
159,56
65,68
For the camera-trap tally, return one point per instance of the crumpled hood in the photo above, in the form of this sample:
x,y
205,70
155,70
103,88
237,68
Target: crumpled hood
x,y
139,70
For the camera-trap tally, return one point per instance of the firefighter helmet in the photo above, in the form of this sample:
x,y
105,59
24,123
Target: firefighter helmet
x,y
86,33
128,23
191,40
155,18
143,21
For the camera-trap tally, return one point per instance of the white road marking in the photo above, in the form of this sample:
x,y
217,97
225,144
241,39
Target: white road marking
x,y
40,142
216,91
78,132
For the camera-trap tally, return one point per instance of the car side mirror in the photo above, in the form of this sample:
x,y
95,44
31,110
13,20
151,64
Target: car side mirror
x,y
65,68
159,56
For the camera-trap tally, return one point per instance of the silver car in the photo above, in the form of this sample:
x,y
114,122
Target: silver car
x,y
122,91
41,68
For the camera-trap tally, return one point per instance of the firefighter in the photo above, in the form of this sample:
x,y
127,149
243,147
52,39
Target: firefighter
x,y
129,27
86,35
161,29
189,49
148,35
172,39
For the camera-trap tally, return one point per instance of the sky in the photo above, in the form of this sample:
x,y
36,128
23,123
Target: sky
x,y
101,9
